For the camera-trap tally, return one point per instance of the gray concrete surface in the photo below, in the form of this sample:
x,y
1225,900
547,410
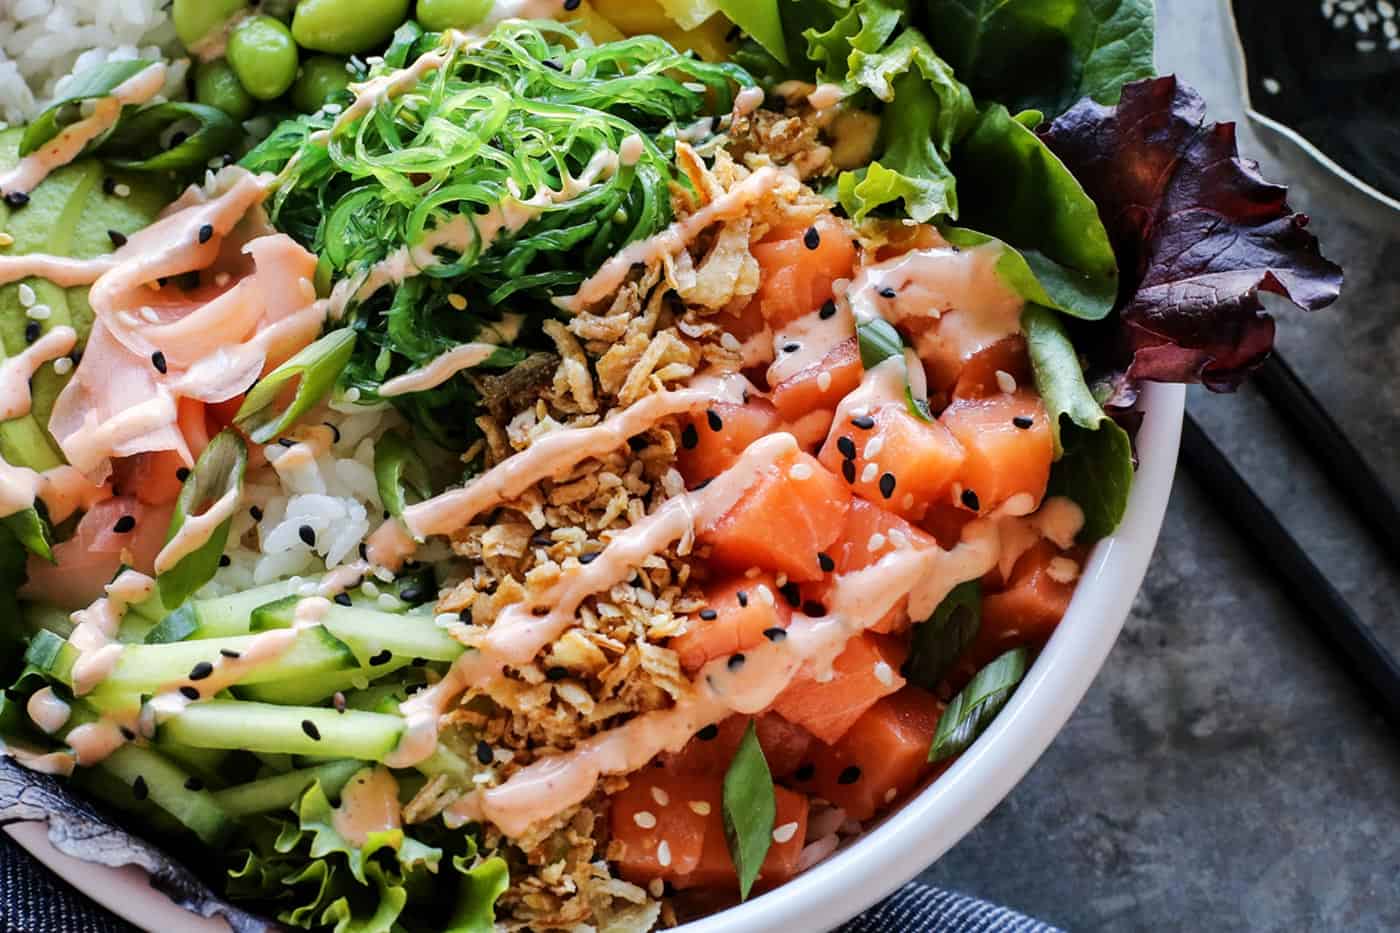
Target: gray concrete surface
x,y
1221,774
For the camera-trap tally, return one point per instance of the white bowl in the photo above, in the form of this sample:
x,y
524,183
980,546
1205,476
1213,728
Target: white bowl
x,y
933,821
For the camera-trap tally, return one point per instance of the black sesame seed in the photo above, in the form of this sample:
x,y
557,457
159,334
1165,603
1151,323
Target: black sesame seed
x,y
847,446
689,437
743,598
588,558
774,634
194,784
791,347
364,551
703,483
969,499
127,734
256,512
158,361
16,198
411,689
792,594
888,292
335,432
709,615
825,562
557,673
310,729
733,34
483,753
343,599
849,775
805,772
31,332
182,474
139,790
230,653
307,535
189,693
540,611
1023,422
109,185
813,608
864,422
887,482
848,470
465,615
286,442
206,233
383,657
828,310
572,5
539,539
201,670
713,419
225,560
338,702
178,138
735,662
637,442
411,594
812,238
551,63
708,733
117,237
124,524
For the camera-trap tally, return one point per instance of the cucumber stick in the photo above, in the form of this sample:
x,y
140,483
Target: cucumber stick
x,y
219,617
151,775
296,730
307,691
282,791
370,632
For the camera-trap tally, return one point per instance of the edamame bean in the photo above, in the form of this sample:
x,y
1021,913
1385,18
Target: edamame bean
x,y
199,19
320,77
215,84
345,27
437,15
263,55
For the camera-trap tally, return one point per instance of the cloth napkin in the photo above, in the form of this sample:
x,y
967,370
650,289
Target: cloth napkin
x,y
32,900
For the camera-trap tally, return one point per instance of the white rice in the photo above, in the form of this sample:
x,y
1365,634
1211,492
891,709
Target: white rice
x,y
43,42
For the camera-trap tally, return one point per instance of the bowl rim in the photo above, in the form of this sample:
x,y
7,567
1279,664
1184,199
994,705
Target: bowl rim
x,y
930,823
1240,61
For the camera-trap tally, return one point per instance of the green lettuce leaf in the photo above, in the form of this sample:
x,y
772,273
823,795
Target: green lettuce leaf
x,y
1019,192
1043,54
1094,456
483,881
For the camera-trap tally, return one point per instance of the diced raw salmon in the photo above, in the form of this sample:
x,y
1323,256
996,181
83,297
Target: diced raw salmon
x,y
716,868
822,385
737,612
978,378
707,451
797,268
865,671
895,459
643,824
1008,448
785,746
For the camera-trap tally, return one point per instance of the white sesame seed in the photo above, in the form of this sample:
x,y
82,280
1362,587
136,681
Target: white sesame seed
x,y
38,312
578,68
1062,570
873,448
868,474
645,819
700,807
785,832
876,542
445,618
458,302
824,380
656,887
63,365
26,295
503,755
730,342
1005,381
752,572
352,394
884,673
765,594
482,777
695,87
148,314
307,589
1271,85
1365,45
1339,21
663,853
891,794
387,601
332,109
122,191
1386,9
308,290
800,471
1363,23
221,279
660,796
6,239
908,501
781,579
898,538
369,589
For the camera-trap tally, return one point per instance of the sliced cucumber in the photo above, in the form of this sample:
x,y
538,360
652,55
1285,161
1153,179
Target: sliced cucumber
x,y
282,791
112,790
296,730
151,775
207,764
308,691
218,617
133,629
370,632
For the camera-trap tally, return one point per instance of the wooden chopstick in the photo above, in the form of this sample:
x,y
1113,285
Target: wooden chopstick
x,y
1367,496
1329,615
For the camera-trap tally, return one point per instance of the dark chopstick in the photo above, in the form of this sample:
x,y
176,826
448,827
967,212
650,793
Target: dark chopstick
x,y
1336,456
1329,614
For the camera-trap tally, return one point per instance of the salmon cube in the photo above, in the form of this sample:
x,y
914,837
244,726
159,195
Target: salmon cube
x,y
822,385
737,612
798,267
866,670
716,868
712,440
1008,447
895,459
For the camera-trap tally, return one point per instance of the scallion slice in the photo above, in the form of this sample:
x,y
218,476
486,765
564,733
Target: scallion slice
x,y
315,369
218,471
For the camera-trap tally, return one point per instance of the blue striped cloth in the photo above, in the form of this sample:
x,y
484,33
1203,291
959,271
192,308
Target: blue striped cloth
x,y
34,901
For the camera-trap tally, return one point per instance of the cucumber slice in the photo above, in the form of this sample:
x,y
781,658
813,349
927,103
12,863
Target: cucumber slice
x,y
133,629
296,730
152,668
218,617
284,790
113,791
207,764
150,774
308,691
370,632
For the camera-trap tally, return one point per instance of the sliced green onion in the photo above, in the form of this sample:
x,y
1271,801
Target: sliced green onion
x,y
315,368
218,471
878,342
136,142
938,642
32,531
398,468
750,808
972,710
90,85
